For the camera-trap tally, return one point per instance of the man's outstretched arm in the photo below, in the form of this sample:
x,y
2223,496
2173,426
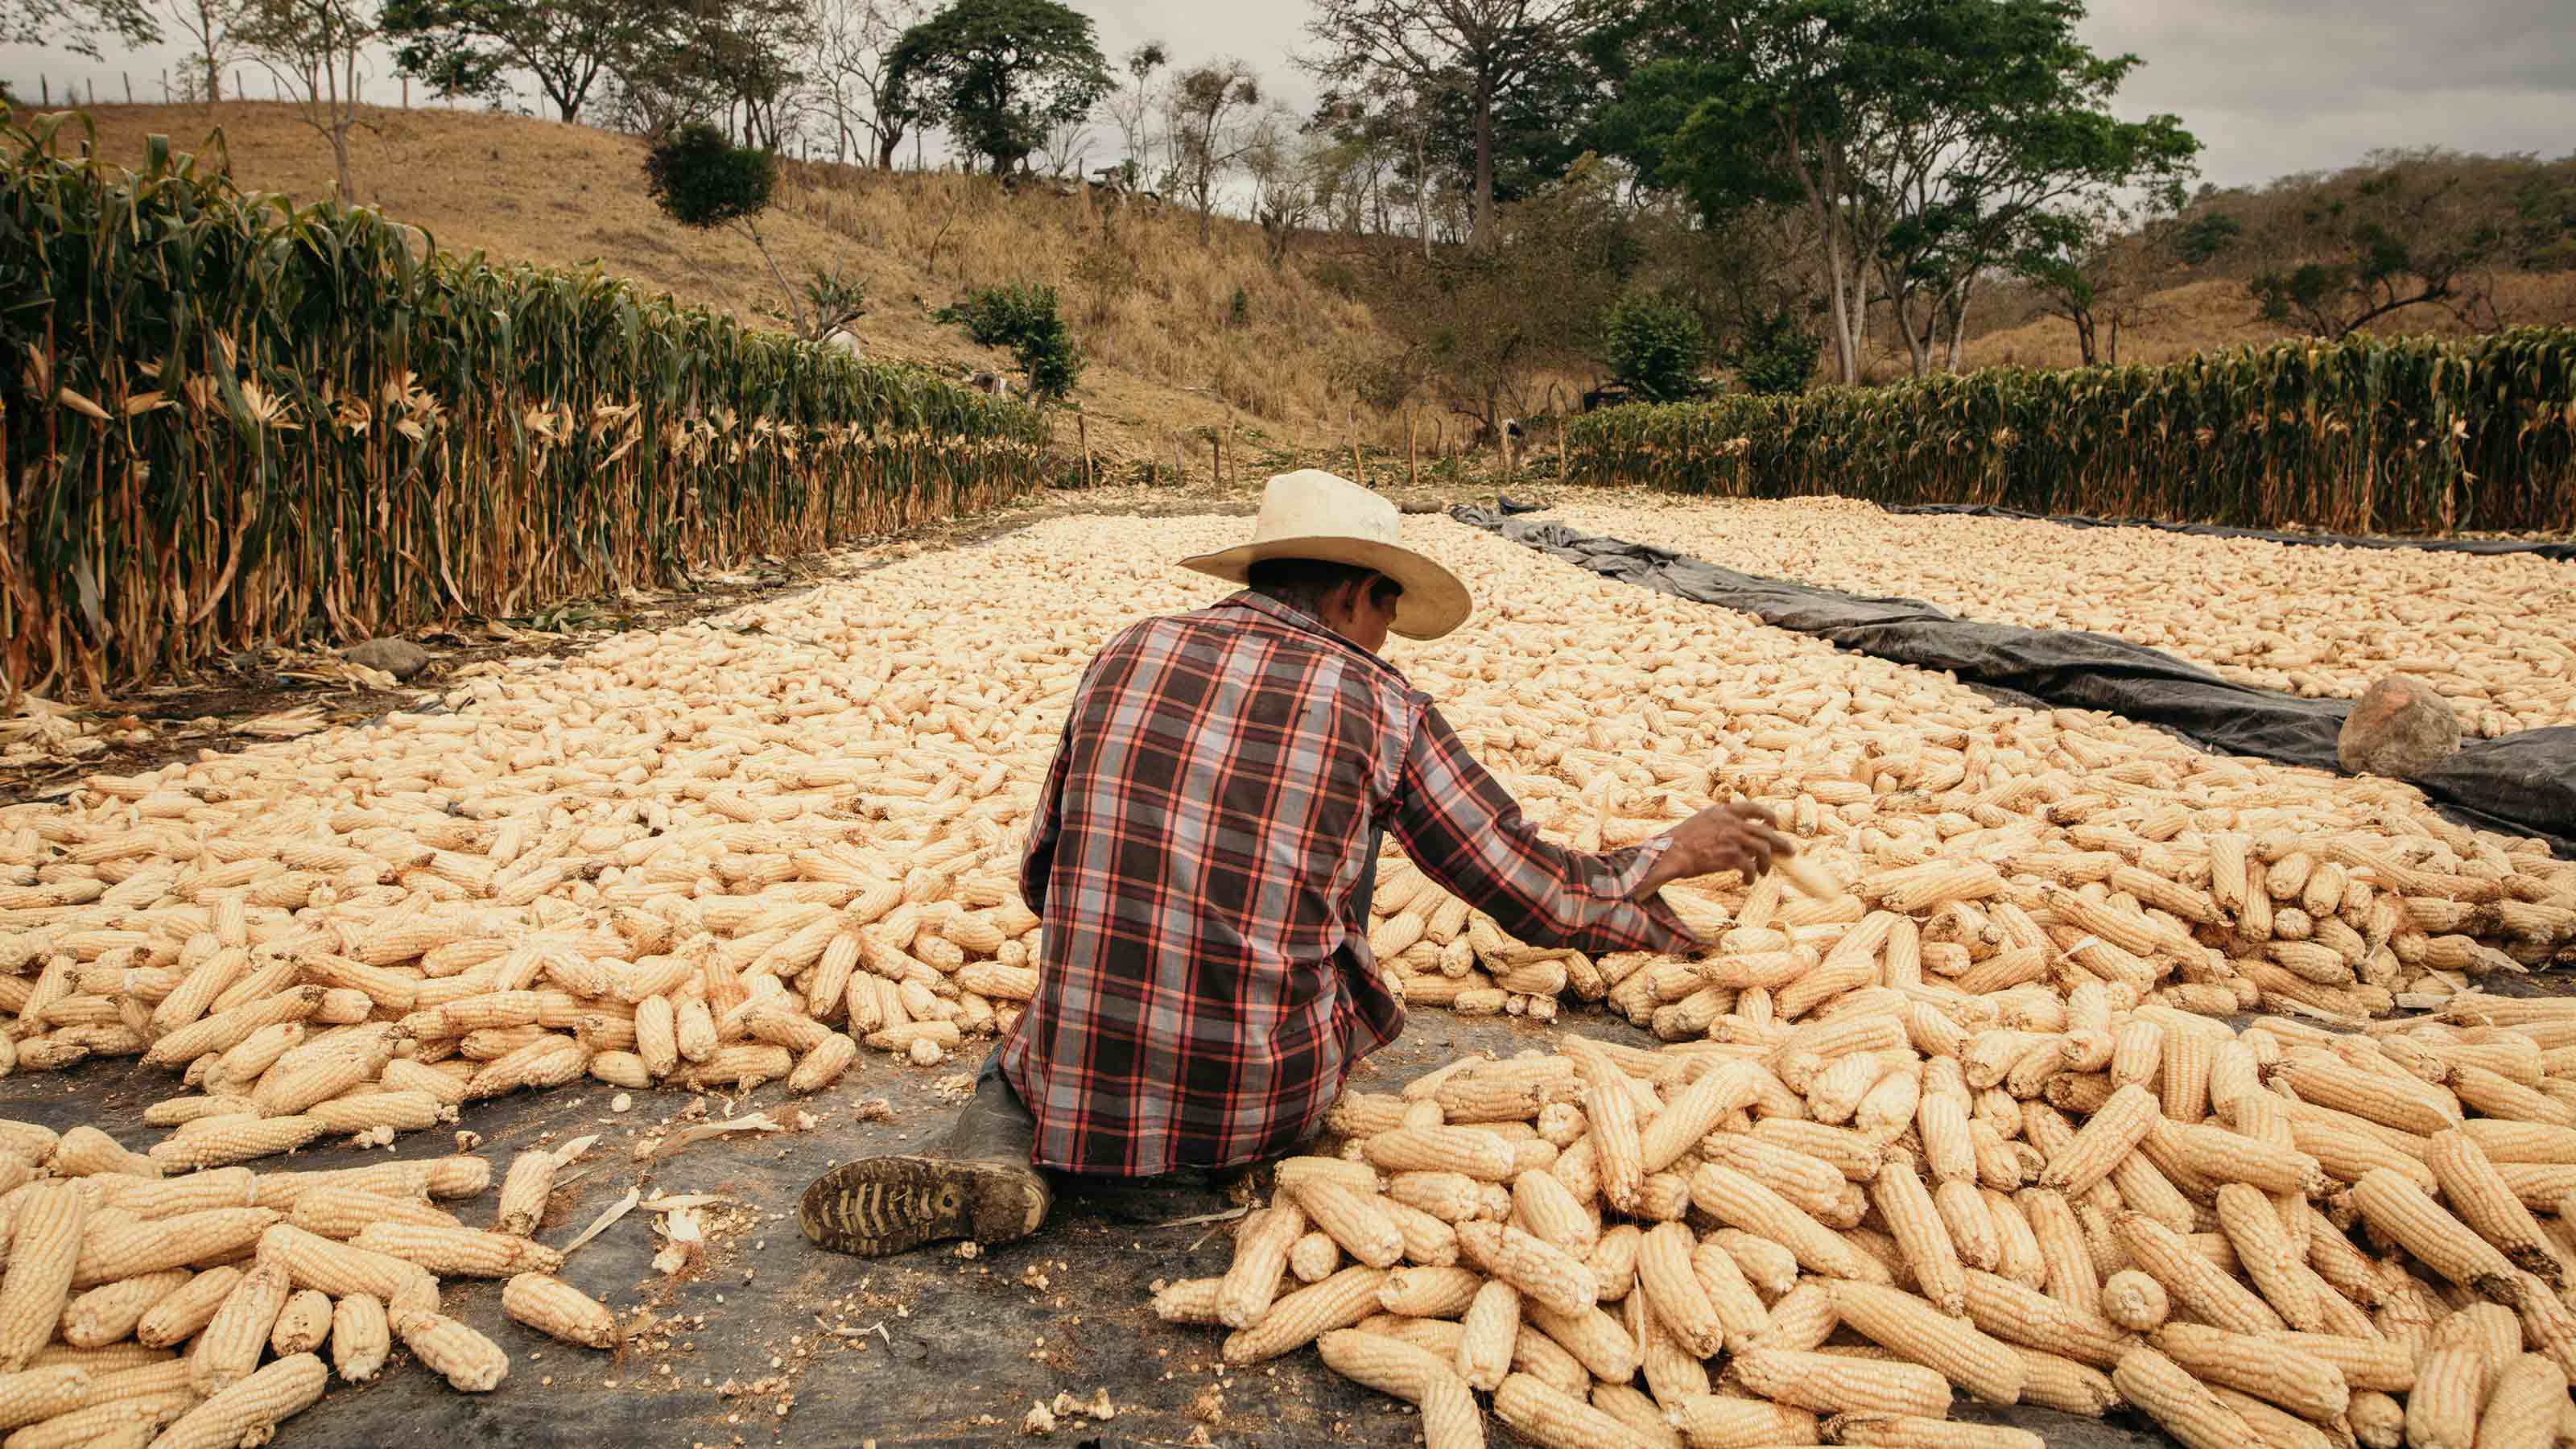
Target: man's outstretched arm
x,y
1464,830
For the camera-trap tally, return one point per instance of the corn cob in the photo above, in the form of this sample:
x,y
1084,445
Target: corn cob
x,y
44,1247
468,1361
554,1307
360,1337
457,1252
238,1334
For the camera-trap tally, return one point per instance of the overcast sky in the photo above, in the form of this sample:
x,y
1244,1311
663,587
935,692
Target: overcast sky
x,y
2270,86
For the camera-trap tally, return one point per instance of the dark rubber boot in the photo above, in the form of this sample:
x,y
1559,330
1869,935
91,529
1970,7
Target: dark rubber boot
x,y
977,1183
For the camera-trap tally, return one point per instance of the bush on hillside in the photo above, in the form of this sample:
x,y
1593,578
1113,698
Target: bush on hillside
x,y
703,180
1776,356
1022,316
1656,347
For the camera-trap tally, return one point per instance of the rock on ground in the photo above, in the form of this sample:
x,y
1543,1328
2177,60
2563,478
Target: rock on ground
x,y
2398,728
400,658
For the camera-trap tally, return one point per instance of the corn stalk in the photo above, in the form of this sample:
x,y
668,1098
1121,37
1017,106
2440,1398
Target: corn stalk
x,y
2370,435
231,422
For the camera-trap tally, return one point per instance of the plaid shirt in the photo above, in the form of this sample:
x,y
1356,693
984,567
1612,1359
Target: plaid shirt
x,y
1198,858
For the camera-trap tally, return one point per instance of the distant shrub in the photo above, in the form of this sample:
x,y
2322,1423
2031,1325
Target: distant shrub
x,y
704,180
1776,356
1656,348
1238,312
1022,316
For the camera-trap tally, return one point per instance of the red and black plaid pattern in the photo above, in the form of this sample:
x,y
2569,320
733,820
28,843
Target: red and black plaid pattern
x,y
1197,856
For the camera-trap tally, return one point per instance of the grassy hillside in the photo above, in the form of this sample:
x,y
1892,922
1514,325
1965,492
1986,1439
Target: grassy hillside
x,y
1151,306
1171,357
2199,316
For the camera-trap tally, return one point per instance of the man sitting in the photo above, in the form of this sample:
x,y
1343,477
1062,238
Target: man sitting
x,y
1203,857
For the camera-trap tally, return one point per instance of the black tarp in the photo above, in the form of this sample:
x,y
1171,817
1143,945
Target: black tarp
x,y
2557,552
2523,784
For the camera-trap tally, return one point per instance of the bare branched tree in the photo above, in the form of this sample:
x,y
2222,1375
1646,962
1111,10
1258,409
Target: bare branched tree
x,y
1489,45
1132,108
210,26
851,44
314,49
1210,103
1292,178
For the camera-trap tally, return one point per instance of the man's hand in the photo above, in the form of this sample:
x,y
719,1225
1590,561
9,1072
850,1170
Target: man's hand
x,y
1735,836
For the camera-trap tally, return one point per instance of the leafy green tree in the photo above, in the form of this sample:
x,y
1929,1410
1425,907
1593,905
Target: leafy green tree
x,y
2200,240
2100,268
734,58
473,47
1541,125
998,73
1656,347
1916,134
1775,355
702,180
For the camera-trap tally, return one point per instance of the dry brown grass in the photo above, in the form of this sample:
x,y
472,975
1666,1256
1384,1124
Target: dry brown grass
x,y
2206,315
1165,361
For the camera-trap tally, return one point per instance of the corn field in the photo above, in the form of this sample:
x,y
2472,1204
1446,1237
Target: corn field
x,y
233,422
2372,435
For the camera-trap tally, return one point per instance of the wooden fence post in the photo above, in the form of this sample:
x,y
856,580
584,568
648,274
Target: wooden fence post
x,y
1560,450
1082,429
1412,448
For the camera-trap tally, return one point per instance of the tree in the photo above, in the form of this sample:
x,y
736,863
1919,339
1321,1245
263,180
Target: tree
x,y
702,180
313,48
2099,268
1208,137
473,47
731,61
2410,230
1022,316
1655,346
1289,170
1477,324
1917,134
1490,47
77,25
2021,128
998,73
1132,105
854,43
1388,123
210,26
1541,125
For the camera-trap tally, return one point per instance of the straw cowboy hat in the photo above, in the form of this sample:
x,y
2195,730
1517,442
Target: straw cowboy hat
x,y
1312,514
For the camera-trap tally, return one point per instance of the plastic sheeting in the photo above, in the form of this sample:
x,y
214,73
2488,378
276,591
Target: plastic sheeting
x,y
2523,784
2557,552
